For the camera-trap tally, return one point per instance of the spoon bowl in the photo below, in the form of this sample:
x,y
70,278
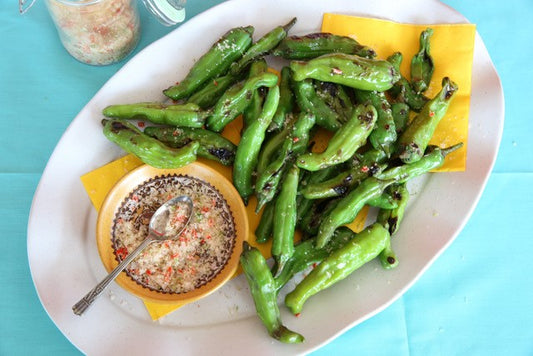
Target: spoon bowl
x,y
161,227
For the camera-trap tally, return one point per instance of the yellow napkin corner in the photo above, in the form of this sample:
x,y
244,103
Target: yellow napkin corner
x,y
452,49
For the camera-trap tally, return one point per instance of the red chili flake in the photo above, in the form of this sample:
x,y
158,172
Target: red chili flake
x,y
205,209
297,315
166,245
336,71
314,265
175,255
177,83
215,82
202,242
364,169
295,139
148,272
180,270
134,198
141,124
210,222
431,113
120,221
175,133
122,252
208,237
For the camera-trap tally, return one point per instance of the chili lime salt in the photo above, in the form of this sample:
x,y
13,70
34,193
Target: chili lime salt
x,y
198,254
97,32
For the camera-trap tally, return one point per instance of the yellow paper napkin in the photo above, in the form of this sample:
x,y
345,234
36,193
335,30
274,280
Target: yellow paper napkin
x,y
452,49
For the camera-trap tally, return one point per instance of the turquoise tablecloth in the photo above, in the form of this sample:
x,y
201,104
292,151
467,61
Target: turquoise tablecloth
x,y
476,299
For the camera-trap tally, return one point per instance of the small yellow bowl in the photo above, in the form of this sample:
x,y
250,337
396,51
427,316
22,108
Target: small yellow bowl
x,y
140,176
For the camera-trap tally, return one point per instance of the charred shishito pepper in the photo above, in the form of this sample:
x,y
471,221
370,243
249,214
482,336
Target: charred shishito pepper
x,y
352,71
364,247
214,62
148,149
264,293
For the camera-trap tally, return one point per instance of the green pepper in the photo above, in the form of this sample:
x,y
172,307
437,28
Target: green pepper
x,y
264,294
263,46
148,149
361,166
263,232
350,70
433,159
402,91
214,63
349,206
306,254
400,114
250,145
253,110
308,101
383,201
344,142
273,143
286,101
304,204
364,247
317,44
266,185
414,140
384,134
422,66
285,219
336,97
236,99
212,145
209,94
302,132
314,217
391,218
189,115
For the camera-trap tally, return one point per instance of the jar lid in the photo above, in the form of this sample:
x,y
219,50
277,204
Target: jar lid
x,y
168,12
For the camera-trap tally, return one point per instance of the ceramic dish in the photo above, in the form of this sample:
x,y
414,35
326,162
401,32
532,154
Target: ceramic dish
x,y
61,235
134,181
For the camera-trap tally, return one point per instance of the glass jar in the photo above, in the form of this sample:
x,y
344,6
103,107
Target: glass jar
x,y
97,32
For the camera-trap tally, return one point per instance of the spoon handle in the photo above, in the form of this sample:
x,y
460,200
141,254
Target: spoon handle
x,y
80,307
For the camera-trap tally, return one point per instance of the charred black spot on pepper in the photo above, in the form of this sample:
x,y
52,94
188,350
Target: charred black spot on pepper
x,y
340,189
391,260
222,153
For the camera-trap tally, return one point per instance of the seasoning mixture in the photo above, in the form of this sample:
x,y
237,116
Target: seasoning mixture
x,y
96,32
200,252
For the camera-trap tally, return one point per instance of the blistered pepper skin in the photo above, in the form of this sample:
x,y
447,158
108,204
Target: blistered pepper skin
x,y
148,149
264,293
285,219
187,115
263,46
212,145
364,247
344,142
236,99
317,44
433,159
305,255
349,206
250,145
215,62
352,71
413,141
422,66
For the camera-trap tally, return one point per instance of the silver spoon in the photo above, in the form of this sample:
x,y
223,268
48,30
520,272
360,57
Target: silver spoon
x,y
157,230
